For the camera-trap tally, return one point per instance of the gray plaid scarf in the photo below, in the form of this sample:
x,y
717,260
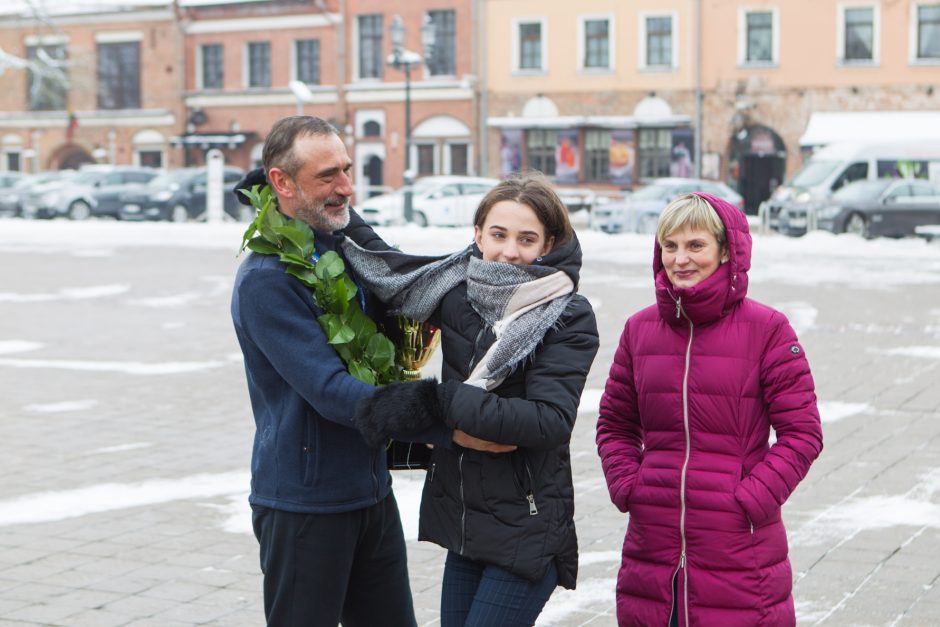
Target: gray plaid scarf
x,y
520,303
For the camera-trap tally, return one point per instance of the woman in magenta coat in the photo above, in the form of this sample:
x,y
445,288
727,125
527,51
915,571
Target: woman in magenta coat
x,y
698,381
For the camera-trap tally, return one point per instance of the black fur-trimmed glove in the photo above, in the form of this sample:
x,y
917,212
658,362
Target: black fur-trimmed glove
x,y
255,177
401,409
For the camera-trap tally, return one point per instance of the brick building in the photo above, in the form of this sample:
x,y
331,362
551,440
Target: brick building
x,y
611,88
597,93
193,75
106,87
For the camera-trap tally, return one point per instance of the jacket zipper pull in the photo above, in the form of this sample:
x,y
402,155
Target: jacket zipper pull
x,y
532,509
678,307
431,472
682,560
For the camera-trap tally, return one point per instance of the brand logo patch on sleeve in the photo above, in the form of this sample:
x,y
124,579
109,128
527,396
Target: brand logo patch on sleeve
x,y
795,349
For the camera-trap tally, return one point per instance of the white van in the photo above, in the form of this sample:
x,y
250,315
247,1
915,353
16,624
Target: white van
x,y
834,165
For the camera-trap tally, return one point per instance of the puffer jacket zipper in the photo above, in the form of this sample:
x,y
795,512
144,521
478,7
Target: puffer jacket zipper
x,y
530,493
685,463
463,505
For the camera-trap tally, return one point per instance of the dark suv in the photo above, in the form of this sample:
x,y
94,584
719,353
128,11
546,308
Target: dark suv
x,y
180,196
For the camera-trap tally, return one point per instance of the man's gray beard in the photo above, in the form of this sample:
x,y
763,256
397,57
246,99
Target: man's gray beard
x,y
314,214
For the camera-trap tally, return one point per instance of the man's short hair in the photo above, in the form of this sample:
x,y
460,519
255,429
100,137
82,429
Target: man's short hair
x,y
279,145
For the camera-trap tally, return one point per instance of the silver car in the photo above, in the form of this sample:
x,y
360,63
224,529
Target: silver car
x,y
639,212
93,191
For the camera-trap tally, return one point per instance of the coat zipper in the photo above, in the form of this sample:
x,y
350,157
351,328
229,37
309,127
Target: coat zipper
x,y
463,505
685,465
530,497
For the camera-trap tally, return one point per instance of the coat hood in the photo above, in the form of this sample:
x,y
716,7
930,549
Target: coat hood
x,y
715,296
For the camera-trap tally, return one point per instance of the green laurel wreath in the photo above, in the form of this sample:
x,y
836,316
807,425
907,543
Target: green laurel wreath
x,y
368,354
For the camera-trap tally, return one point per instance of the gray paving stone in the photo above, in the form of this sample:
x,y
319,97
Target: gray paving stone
x,y
171,564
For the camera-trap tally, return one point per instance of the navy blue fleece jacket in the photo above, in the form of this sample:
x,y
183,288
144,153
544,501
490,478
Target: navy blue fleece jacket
x,y
307,456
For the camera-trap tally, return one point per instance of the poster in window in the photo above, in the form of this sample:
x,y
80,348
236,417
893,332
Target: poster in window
x,y
510,152
683,147
567,157
622,157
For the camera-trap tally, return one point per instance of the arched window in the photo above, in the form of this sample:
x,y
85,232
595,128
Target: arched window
x,y
371,129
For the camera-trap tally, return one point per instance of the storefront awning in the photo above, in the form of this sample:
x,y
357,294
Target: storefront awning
x,y
870,126
592,121
211,140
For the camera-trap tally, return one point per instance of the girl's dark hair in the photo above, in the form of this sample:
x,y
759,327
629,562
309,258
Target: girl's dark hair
x,y
279,144
533,190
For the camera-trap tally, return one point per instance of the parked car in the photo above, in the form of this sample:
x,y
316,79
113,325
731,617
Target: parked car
x,y
11,201
841,163
890,207
639,212
585,199
8,182
436,201
92,192
180,195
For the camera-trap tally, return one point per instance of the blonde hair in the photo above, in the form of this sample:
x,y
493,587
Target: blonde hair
x,y
693,211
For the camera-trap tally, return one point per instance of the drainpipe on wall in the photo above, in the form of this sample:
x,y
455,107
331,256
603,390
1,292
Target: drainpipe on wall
x,y
479,59
343,117
698,89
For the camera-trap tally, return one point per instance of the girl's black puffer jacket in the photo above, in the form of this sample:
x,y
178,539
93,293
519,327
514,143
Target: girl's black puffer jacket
x,y
513,510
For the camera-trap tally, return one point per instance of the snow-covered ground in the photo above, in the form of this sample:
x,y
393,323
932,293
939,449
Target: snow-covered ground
x,y
819,259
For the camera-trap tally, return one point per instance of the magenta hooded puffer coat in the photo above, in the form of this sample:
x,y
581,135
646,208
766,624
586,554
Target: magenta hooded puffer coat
x,y
698,381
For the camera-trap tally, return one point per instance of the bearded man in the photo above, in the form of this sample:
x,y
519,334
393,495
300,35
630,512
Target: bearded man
x,y
331,542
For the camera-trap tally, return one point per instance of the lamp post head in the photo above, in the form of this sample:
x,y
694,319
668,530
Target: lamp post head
x,y
396,32
428,33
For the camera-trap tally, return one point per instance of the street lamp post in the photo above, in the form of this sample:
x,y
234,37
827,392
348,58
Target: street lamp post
x,y
402,59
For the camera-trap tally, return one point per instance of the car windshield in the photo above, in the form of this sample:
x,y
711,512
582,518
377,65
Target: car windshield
x,y
88,178
814,173
862,190
168,178
424,186
653,192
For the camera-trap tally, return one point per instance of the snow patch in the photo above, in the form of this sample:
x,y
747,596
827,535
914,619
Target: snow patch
x,y
18,346
802,315
120,448
103,497
834,411
70,293
590,400
924,352
64,406
125,367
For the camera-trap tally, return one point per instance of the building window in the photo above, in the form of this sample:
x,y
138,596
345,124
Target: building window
x,y
370,46
859,34
655,152
371,129
212,66
540,150
150,158
530,46
13,161
597,155
425,159
458,158
760,34
119,75
597,43
308,61
46,78
928,31
442,61
259,64
659,41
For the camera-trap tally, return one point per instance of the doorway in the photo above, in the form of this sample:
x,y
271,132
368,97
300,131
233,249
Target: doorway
x,y
756,164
